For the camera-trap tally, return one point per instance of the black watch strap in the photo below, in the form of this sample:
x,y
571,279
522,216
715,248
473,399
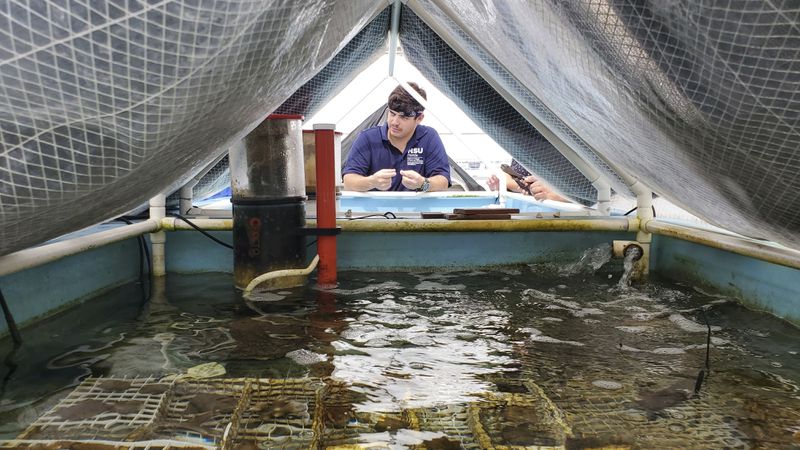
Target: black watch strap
x,y
426,185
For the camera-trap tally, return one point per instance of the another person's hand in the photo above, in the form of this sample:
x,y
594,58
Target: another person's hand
x,y
541,191
382,179
411,179
493,182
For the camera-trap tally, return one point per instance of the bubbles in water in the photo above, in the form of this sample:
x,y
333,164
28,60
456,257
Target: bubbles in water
x,y
606,384
433,286
389,285
265,296
668,351
689,326
628,265
634,329
591,260
306,357
538,336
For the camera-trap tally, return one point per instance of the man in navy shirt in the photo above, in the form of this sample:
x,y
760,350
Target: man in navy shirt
x,y
401,155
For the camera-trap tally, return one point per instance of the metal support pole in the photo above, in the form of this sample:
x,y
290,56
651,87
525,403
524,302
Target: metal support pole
x,y
393,35
326,201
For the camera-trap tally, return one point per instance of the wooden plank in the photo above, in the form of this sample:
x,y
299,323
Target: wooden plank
x,y
478,216
485,211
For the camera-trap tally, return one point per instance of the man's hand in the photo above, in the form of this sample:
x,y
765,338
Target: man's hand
x,y
382,179
411,179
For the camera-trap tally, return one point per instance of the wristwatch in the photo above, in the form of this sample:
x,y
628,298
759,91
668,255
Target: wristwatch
x,y
425,186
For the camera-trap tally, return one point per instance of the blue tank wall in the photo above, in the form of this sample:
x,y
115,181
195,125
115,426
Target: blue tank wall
x,y
35,293
759,284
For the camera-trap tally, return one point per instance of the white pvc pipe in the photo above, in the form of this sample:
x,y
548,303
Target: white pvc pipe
x,y
158,239
603,197
186,192
502,187
764,251
175,224
644,213
186,196
37,256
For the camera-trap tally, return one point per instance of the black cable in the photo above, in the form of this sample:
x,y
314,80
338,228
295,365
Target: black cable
x,y
708,341
12,325
144,255
9,362
203,231
311,243
385,215
139,242
636,207
707,370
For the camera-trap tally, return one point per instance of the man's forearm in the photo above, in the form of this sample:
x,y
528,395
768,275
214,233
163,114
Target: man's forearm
x,y
438,183
356,182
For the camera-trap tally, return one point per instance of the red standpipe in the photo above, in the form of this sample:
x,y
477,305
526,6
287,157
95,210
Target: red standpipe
x,y
326,201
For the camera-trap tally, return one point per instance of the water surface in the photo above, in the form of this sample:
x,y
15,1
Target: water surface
x,y
514,356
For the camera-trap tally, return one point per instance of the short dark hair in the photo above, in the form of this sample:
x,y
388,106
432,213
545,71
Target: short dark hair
x,y
402,102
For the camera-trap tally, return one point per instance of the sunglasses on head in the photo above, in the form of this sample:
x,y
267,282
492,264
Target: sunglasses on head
x,y
407,113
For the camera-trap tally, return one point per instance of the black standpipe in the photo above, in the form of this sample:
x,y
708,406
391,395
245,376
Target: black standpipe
x,y
268,196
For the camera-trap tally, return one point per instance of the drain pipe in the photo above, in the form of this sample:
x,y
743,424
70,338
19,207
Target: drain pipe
x,y
268,196
158,240
326,202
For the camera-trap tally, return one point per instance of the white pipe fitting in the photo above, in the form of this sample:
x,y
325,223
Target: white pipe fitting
x,y
158,211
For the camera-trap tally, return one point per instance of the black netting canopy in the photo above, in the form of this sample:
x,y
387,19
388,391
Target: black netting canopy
x,y
105,103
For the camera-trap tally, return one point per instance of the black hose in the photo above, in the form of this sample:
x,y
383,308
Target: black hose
x,y
142,252
225,244
12,325
708,341
9,361
387,215
636,207
144,255
704,372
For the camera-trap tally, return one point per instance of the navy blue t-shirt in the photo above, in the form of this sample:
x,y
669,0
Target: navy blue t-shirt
x,y
372,152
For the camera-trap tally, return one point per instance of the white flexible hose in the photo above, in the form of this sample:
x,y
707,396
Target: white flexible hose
x,y
280,274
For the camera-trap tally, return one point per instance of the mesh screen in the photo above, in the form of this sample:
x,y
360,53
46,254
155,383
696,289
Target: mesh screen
x,y
698,100
496,117
359,53
110,102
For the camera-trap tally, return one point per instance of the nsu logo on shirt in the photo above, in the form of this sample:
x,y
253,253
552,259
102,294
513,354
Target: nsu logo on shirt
x,y
414,157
